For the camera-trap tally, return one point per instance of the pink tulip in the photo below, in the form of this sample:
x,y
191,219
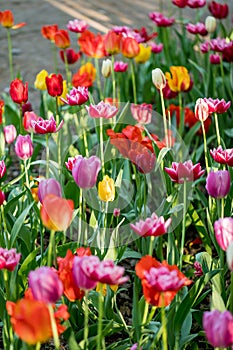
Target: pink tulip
x,y
70,162
218,44
102,110
222,156
218,327
230,256
48,126
10,133
77,96
120,66
223,229
187,171
198,269
155,48
9,259
196,3
49,186
198,28
77,26
27,119
24,147
217,106
82,269
2,197
201,109
2,168
85,171
160,20
215,59
45,284
142,113
153,226
107,272
218,183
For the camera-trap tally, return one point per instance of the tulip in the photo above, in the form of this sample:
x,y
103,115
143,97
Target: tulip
x,y
2,197
24,147
61,39
106,68
222,156
85,171
120,66
187,171
45,285
7,20
77,26
215,59
158,78
42,126
82,270
71,56
106,189
102,110
198,28
19,91
10,133
153,226
223,229
160,281
28,117
49,31
218,327
130,48
156,48
2,168
218,10
201,109
116,212
230,256
198,269
107,272
180,3
85,76
56,213
144,54
49,186
160,20
218,183
179,79
9,259
92,45
217,106
70,162
77,96
54,84
40,82
196,3
142,113
210,24
112,42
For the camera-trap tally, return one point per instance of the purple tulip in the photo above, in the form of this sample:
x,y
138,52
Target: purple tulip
x,y
45,284
223,229
85,171
218,183
218,327
82,268
24,147
49,186
153,226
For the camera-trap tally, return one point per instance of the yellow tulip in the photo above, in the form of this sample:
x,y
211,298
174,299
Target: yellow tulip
x,y
40,83
179,80
64,93
106,189
144,54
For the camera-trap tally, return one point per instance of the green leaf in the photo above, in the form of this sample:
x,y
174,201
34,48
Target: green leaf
x,y
229,132
129,253
19,223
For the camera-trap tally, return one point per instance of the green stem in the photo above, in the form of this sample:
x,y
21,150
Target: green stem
x,y
54,327
98,78
38,345
205,146
86,321
6,233
164,327
80,211
113,80
20,119
134,83
6,281
100,341
47,155
102,146
183,223
217,129
52,249
26,174
67,69
54,50
164,117
151,246
10,54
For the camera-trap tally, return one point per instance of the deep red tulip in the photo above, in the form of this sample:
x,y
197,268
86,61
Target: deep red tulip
x,y
218,10
54,84
71,55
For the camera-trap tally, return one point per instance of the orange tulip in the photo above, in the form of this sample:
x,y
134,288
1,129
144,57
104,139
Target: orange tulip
x,y
49,31
85,76
62,39
56,212
92,45
1,110
179,80
130,47
7,20
112,42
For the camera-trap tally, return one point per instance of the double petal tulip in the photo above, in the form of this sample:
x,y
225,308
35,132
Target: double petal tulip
x,y
19,91
160,281
106,189
49,186
77,26
102,110
56,213
92,45
77,96
179,79
187,171
2,168
42,126
218,327
85,171
153,226
61,39
218,10
107,272
142,113
9,259
24,147
198,28
54,84
222,156
45,284
218,183
223,229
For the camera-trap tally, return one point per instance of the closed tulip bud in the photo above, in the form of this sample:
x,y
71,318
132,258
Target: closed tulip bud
x,y
24,147
158,78
54,84
210,24
19,91
106,68
106,189
130,47
40,82
10,133
218,183
201,109
85,171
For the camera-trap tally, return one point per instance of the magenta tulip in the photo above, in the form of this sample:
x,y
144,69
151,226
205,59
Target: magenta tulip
x,y
77,96
46,126
85,171
107,272
223,229
218,183
24,147
82,269
187,171
222,156
9,259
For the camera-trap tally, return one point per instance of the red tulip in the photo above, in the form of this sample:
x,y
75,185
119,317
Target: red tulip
x,y
130,47
61,39
49,31
19,91
54,85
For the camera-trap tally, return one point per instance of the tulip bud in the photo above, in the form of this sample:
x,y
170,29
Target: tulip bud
x,y
218,183
201,109
106,189
24,147
230,256
158,78
10,133
210,24
106,68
